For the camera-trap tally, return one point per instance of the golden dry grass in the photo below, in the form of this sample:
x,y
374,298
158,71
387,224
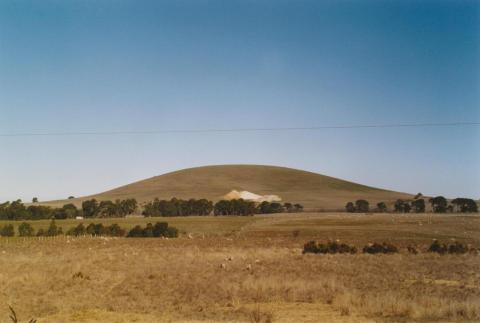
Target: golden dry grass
x,y
155,280
312,190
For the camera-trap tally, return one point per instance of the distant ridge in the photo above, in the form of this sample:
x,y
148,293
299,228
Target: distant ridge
x,y
314,191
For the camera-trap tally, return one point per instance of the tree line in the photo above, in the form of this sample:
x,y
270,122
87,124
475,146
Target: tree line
x,y
179,207
16,210
243,207
439,204
92,208
25,229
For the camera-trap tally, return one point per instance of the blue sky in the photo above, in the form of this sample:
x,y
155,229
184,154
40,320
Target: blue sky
x,y
69,66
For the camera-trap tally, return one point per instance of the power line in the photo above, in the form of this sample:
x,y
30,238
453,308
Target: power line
x,y
230,130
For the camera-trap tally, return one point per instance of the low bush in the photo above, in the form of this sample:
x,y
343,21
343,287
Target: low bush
x,y
25,230
115,230
332,247
52,230
385,247
455,248
7,230
79,230
97,229
438,247
160,229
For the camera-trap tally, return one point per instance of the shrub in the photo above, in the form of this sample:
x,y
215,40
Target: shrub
x,y
171,232
332,247
439,204
115,230
402,206
7,230
382,207
53,230
385,247
160,229
438,247
90,229
465,205
148,231
442,248
136,232
98,229
362,206
350,207
310,247
25,230
418,205
457,248
79,230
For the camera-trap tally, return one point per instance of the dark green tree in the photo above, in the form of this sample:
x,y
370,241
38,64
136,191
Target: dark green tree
x,y
25,230
350,207
418,205
108,209
53,229
402,206
128,206
136,232
465,205
79,230
90,208
439,204
115,230
7,230
38,212
362,206
70,210
382,207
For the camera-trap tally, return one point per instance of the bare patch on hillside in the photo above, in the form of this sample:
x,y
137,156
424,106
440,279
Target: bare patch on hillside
x,y
249,196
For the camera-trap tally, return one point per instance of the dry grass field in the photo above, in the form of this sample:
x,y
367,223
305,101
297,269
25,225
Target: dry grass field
x,y
314,191
246,269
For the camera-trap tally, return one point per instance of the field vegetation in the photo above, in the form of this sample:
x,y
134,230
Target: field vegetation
x,y
247,269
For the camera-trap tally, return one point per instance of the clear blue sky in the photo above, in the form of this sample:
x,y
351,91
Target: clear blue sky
x,y
166,65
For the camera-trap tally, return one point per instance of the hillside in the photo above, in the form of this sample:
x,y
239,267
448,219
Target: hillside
x,y
312,190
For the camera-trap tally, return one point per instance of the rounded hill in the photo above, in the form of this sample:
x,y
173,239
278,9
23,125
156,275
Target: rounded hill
x,y
314,191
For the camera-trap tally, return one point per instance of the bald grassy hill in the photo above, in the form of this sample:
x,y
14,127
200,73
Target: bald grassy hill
x,y
314,191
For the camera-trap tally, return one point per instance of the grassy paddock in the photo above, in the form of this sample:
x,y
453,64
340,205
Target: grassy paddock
x,y
411,228
190,224
244,268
